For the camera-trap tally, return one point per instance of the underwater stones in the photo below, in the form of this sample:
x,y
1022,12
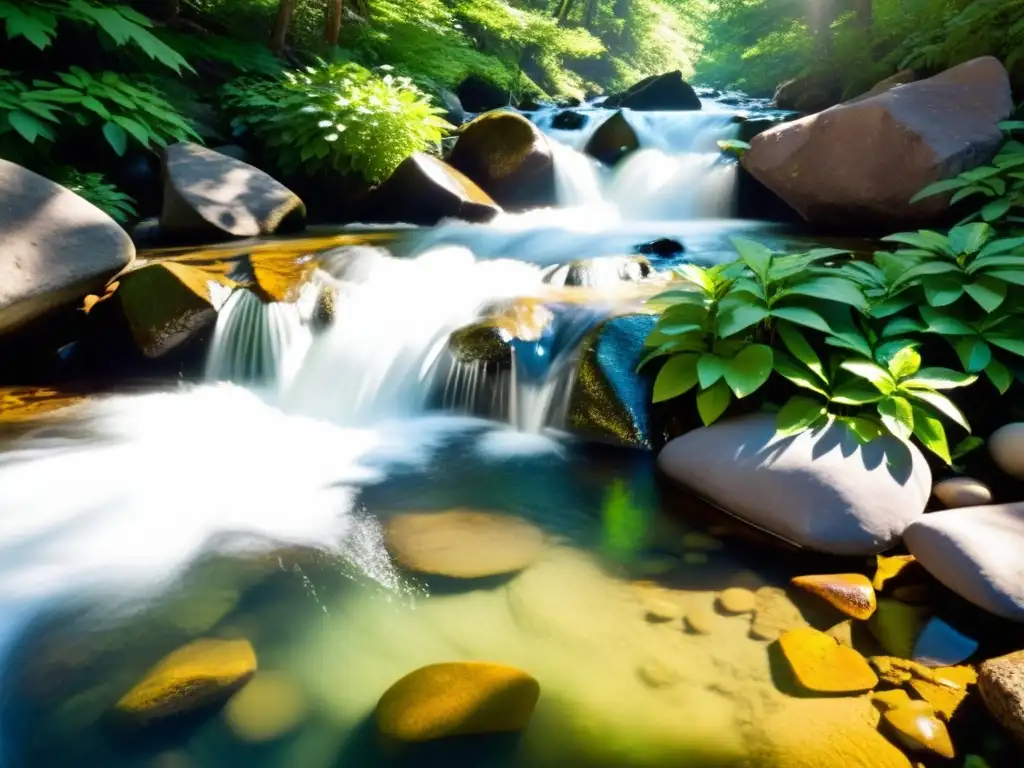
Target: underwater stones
x,y
893,699
737,600
610,402
919,730
424,190
268,707
209,195
1006,446
894,144
896,626
1001,682
658,610
939,645
822,665
889,568
462,543
457,699
658,674
976,552
509,158
699,621
202,674
614,139
945,688
962,492
666,92
166,304
850,593
57,247
819,489
774,613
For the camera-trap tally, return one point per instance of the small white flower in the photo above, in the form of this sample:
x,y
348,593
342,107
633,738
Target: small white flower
x,y
324,124
331,137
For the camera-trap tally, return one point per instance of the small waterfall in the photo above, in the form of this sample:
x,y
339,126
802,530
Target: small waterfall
x,y
652,185
577,177
260,343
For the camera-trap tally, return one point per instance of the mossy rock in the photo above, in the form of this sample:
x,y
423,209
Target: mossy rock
x,y
457,699
195,677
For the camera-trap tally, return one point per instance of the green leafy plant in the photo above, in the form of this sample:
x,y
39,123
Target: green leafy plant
x,y
338,116
733,146
98,191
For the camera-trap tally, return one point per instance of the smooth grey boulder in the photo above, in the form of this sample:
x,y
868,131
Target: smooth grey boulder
x,y
819,489
1006,446
208,194
55,247
978,552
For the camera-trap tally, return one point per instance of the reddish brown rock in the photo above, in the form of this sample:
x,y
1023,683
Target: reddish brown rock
x,y
850,593
861,162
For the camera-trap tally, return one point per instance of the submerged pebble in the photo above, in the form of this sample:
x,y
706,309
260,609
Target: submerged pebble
x,y
737,600
774,613
269,707
700,622
919,731
850,593
822,665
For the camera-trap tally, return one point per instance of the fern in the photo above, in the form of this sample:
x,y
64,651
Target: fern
x,y
95,188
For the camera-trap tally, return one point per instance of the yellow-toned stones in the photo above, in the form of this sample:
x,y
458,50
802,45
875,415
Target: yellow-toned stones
x,y
457,699
774,613
269,707
896,626
945,688
737,600
892,699
850,593
202,674
822,665
889,568
919,730
463,543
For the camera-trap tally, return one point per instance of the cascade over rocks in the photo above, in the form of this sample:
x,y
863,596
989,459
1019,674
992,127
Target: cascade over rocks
x,y
424,190
509,158
208,195
614,139
862,161
569,120
976,552
477,94
819,489
56,246
668,92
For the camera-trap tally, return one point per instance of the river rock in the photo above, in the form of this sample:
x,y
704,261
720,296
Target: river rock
x,y
894,144
202,674
457,699
1001,682
667,92
477,94
822,665
57,247
976,552
209,195
737,600
166,304
610,402
509,158
902,77
819,489
887,568
850,593
663,247
919,730
463,543
569,120
962,492
1006,445
614,139
454,112
809,93
424,190
774,614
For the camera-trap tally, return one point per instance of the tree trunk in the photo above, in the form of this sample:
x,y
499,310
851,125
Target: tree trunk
x,y
564,9
332,22
285,9
590,14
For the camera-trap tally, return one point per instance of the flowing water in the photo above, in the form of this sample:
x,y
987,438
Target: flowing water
x,y
254,506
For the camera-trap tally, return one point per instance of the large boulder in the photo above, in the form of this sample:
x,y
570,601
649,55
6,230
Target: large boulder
x,y
55,247
610,402
902,77
976,552
820,489
614,139
657,93
861,162
209,195
509,158
809,93
1001,682
477,94
424,190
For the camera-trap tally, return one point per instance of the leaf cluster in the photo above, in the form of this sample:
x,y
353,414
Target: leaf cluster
x,y
98,191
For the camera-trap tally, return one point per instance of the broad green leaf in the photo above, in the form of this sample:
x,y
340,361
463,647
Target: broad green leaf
x,y
799,347
802,316
1014,344
851,341
746,285
926,269
973,189
736,317
37,25
653,354
678,329
676,377
798,414
710,368
1015,276
890,307
903,325
974,353
999,375
698,276
856,392
996,209
863,429
793,264
1000,246
1006,260
749,369
946,185
797,374
942,404
754,255
116,137
969,238
136,129
938,378
870,372
945,325
987,292
925,239
906,362
675,296
897,415
967,445
712,403
830,289
28,127
932,434
941,292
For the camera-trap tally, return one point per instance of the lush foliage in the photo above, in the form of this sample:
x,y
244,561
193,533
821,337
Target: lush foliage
x,y
339,116
98,191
